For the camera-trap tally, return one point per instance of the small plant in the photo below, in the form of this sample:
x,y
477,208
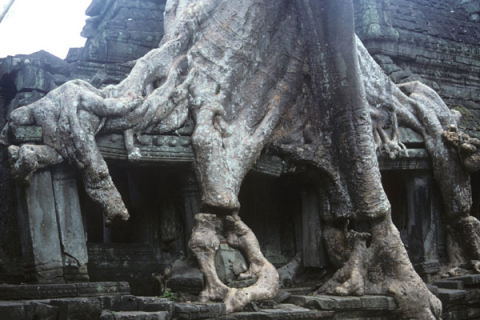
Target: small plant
x,y
169,295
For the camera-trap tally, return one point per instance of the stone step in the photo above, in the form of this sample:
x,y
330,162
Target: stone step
x,y
198,310
151,304
328,302
463,314
450,295
27,310
135,315
300,291
449,284
53,291
468,280
280,312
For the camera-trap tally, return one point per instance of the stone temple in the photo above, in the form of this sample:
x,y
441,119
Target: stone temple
x,y
60,260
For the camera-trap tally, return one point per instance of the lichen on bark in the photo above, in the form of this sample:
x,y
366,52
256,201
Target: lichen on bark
x,y
286,75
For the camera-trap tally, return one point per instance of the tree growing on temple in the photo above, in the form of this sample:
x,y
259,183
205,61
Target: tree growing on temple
x,y
285,75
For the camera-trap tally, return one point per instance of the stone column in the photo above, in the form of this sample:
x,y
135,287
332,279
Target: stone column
x,y
191,199
70,224
422,222
314,254
39,232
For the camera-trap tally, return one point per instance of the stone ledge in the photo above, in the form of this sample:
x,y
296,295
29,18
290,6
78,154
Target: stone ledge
x,y
167,149
26,310
155,149
199,310
448,296
52,291
328,302
468,280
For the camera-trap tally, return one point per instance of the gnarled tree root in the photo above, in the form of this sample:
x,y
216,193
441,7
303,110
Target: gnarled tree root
x,y
28,158
383,267
468,148
209,231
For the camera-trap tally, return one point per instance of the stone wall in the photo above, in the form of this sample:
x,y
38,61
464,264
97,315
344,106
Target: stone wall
x,y
117,31
436,41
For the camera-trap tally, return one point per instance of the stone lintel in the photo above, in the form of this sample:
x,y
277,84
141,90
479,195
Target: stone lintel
x,y
27,134
178,149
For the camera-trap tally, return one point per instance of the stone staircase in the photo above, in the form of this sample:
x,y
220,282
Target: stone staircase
x,y
113,301
460,296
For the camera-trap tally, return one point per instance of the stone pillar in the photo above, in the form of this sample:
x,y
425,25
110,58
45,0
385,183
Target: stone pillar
x,y
39,232
70,224
314,254
191,199
422,223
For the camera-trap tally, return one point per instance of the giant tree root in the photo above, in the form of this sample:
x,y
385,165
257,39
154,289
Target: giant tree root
x,y
383,267
28,158
468,148
209,231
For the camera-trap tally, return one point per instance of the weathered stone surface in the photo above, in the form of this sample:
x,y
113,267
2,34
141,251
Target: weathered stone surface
x,y
191,200
46,291
314,302
39,71
112,73
185,278
432,40
134,315
154,304
119,31
470,279
470,313
449,284
347,303
433,289
27,134
378,303
314,253
120,261
448,296
39,229
78,308
11,262
282,296
417,160
28,310
198,310
70,224
119,303
330,302
229,263
24,98
473,296
282,311
103,288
